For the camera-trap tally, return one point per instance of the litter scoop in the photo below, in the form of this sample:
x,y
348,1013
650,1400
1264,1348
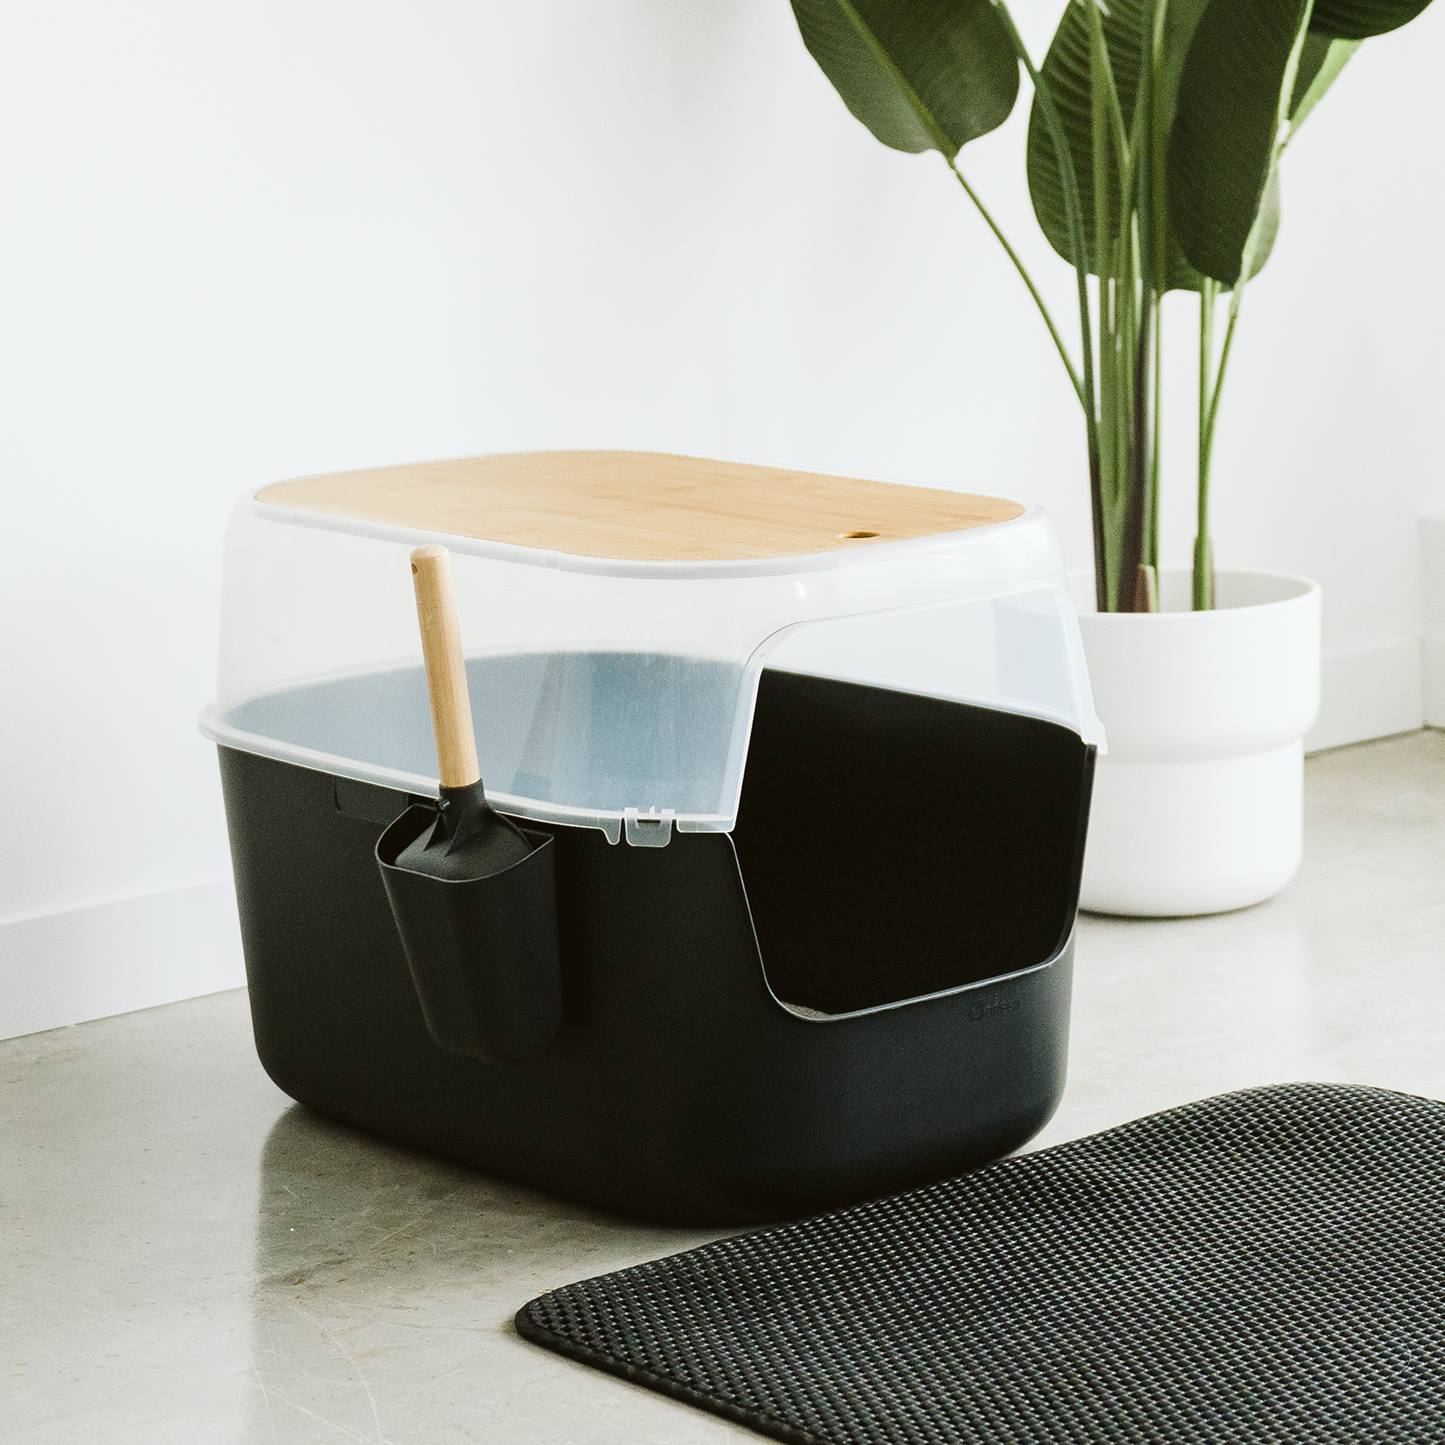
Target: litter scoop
x,y
473,895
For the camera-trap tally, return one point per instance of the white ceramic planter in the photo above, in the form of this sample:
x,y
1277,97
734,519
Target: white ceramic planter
x,y
1198,804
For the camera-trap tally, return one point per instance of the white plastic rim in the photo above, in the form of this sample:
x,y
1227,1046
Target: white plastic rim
x,y
1017,652
1198,806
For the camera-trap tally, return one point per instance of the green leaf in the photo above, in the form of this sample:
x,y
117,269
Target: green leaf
x,y
920,74
1360,19
1226,120
1181,19
1225,124
1066,72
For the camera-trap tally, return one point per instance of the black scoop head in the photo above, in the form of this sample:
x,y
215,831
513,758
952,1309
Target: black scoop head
x,y
468,841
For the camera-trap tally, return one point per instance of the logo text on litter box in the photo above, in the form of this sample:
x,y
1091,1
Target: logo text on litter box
x,y
986,1008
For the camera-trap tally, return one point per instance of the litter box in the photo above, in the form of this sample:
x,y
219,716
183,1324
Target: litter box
x,y
814,754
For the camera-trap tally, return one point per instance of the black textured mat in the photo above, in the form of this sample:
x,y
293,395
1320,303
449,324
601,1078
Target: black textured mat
x,y
1263,1268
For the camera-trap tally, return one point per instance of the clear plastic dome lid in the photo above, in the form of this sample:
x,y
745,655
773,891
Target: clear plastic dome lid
x,y
616,611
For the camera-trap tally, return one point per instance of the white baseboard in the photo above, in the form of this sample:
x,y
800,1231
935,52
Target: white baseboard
x,y
118,956
1368,692
1435,682
1432,616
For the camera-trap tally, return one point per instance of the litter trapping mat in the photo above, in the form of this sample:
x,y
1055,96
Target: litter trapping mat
x,y
1262,1268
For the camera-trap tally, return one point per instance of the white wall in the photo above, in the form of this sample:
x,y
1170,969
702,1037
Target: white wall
x,y
249,241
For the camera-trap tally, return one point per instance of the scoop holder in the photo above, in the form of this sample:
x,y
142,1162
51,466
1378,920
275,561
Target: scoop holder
x,y
472,894
482,952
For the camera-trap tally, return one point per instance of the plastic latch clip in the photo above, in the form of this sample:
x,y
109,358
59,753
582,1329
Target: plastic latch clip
x,y
650,829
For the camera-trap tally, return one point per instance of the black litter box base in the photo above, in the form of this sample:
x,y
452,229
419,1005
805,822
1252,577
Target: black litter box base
x,y
1262,1268
837,1002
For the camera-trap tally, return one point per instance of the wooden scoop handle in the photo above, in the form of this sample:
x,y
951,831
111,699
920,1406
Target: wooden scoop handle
x,y
446,671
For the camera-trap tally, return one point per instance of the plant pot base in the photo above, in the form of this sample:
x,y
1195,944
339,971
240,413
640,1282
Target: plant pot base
x,y
1198,805
1177,839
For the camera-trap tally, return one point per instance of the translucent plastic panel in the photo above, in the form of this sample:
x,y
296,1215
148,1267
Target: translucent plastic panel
x,y
593,732
1019,652
603,689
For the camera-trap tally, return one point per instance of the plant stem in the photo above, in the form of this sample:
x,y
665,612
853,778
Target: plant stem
x,y
1104,93
1113,450
1157,432
1203,574
1134,321
1133,549
1207,442
1126,314
1201,599
1147,159
1078,254
1124,252
1027,279
1203,589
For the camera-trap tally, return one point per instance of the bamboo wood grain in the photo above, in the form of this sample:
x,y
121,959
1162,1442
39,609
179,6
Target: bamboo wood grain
x,y
446,670
641,506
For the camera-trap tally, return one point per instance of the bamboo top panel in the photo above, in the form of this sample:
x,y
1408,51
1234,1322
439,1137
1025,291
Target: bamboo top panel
x,y
641,506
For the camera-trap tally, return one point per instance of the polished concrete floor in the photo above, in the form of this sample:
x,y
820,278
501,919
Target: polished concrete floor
x,y
185,1256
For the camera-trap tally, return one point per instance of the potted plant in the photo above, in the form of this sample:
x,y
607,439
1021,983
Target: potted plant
x,y
1156,134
